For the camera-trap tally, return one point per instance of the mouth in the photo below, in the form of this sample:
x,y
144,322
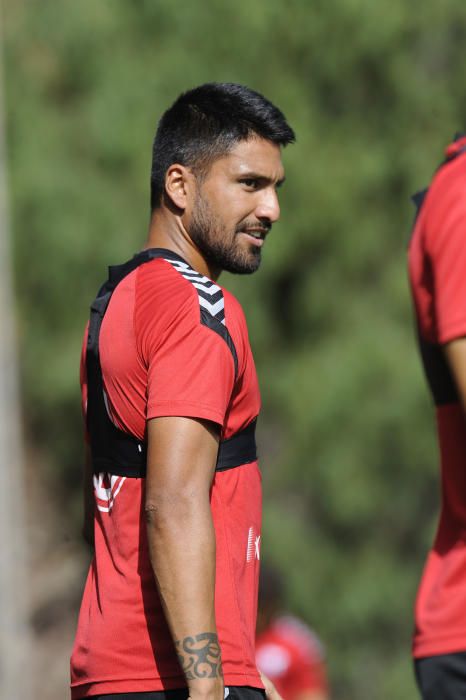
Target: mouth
x,y
256,236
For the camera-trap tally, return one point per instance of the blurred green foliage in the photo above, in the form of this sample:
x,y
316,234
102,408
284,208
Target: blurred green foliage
x,y
374,92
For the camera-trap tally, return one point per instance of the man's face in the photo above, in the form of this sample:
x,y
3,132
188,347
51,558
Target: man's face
x,y
236,204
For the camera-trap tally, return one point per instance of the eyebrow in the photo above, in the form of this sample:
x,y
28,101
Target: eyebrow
x,y
256,176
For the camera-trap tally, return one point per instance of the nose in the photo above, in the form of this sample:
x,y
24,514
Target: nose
x,y
268,206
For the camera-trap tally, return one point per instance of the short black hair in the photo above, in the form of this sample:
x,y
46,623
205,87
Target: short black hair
x,y
205,123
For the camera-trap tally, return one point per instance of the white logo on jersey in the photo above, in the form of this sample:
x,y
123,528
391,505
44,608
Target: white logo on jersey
x,y
253,548
107,487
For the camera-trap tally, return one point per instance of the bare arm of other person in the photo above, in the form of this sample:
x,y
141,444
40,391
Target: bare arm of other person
x,y
455,352
272,693
180,467
312,695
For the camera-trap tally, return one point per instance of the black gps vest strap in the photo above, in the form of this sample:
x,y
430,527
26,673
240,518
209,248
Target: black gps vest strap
x,y
112,449
238,450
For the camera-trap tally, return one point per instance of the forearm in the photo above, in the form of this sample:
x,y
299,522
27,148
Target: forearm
x,y
455,352
312,695
182,550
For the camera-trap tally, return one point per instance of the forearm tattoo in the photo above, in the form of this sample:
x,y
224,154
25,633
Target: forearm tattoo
x,y
199,656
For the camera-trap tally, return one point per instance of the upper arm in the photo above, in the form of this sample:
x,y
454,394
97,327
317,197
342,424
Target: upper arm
x,y
181,457
455,352
311,695
190,380
190,367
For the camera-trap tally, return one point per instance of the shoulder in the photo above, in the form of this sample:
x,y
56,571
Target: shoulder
x,y
451,177
446,198
171,293
158,280
210,295
174,278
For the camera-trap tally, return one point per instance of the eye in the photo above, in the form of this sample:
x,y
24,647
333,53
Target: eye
x,y
250,182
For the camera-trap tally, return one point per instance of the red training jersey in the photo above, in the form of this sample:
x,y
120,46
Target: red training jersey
x,y
158,359
290,654
437,270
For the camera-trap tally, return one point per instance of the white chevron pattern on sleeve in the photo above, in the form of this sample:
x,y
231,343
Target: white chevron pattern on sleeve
x,y
209,294
213,309
213,289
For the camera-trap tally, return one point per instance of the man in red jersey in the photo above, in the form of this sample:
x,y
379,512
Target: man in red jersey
x,y
170,394
437,270
287,651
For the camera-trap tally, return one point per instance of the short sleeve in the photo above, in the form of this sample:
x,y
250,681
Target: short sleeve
x,y
190,367
447,252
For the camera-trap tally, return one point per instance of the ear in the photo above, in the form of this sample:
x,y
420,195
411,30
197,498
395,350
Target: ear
x,y
179,185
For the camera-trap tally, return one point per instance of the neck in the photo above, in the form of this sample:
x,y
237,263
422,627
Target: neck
x,y
166,230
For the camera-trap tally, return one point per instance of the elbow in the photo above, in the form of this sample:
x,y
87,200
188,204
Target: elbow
x,y
157,511
151,513
166,509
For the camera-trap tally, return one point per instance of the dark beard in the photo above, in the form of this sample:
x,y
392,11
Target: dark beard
x,y
219,252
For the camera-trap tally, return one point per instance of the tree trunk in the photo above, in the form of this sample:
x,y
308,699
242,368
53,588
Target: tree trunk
x,y
15,658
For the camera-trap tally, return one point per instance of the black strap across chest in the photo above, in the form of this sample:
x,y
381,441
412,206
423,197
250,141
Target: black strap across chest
x,y
112,449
